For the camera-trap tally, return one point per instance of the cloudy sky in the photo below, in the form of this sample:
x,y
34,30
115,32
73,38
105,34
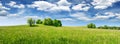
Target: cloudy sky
x,y
70,12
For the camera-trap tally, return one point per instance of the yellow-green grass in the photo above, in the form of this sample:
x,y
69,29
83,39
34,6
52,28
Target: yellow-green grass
x,y
57,35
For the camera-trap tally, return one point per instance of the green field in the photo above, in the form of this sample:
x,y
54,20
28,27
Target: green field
x,y
57,35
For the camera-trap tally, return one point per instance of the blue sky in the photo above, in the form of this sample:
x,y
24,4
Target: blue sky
x,y
70,12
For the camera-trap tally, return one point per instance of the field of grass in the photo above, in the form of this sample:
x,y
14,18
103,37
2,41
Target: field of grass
x,y
57,35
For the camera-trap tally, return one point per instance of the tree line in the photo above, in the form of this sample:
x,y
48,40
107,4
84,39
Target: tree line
x,y
46,21
92,25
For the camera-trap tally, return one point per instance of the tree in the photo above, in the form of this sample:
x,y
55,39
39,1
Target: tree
x,y
48,21
45,21
91,25
38,21
57,23
31,22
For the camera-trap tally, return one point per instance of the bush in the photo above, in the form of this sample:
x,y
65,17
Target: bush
x,y
91,25
31,22
38,21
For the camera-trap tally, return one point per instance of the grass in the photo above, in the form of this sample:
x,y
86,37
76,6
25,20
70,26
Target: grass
x,y
57,35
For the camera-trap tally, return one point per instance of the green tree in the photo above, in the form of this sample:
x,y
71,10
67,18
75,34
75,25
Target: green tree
x,y
38,21
91,25
31,22
57,23
45,21
48,21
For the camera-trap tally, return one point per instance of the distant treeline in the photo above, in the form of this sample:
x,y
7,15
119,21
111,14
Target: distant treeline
x,y
92,25
108,27
46,21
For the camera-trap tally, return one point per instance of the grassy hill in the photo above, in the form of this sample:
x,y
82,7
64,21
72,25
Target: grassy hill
x,y
57,35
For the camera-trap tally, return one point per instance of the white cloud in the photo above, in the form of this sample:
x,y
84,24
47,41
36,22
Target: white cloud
x,y
107,15
80,16
100,7
3,7
15,5
3,13
66,19
103,17
12,3
118,15
83,7
19,6
34,17
103,4
59,8
42,5
63,3
46,6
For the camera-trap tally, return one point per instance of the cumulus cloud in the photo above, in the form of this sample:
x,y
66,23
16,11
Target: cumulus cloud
x,y
15,5
46,6
82,7
41,5
103,4
63,3
59,8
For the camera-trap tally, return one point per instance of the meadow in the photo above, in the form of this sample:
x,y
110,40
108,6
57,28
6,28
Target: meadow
x,y
42,34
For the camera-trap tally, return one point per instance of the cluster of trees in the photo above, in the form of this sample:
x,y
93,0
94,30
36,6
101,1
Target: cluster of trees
x,y
46,21
91,25
108,27
55,22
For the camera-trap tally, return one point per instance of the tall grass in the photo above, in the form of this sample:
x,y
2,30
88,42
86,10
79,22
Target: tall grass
x,y
57,35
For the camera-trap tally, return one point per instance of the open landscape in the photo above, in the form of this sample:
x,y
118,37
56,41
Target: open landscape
x,y
42,34
59,21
